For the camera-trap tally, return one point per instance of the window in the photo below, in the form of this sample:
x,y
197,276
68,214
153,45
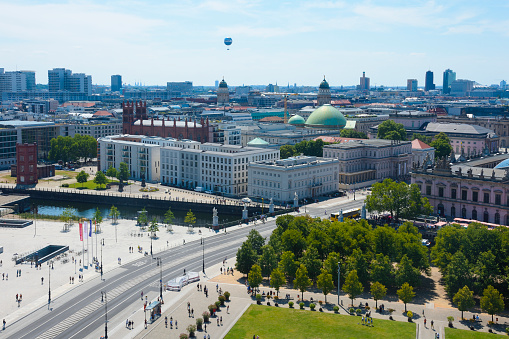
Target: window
x,y
428,190
474,214
498,199
486,198
440,191
464,194
453,193
475,196
497,218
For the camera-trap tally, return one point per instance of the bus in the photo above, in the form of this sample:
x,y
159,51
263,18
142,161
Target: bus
x,y
351,213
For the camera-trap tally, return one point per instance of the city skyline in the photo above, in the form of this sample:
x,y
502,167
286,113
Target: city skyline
x,y
155,42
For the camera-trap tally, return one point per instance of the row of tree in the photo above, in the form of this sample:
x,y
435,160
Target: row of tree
x,y
310,148
71,149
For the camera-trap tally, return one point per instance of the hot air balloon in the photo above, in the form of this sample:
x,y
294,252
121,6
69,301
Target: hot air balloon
x,y
228,42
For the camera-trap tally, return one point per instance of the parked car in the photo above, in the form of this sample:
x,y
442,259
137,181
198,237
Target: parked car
x,y
246,200
209,192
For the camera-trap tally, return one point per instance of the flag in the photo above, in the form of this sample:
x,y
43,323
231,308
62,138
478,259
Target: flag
x,y
85,232
90,232
81,232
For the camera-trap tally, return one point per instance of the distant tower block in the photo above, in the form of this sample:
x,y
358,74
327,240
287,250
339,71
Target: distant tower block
x,y
223,94
324,96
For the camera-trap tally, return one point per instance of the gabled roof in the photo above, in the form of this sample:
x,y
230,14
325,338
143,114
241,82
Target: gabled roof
x,y
418,144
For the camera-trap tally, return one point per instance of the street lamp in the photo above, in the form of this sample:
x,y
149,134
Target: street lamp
x,y
159,262
49,282
104,297
339,270
203,254
151,254
101,261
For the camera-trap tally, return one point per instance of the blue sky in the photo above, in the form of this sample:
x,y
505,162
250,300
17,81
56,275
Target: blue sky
x,y
285,41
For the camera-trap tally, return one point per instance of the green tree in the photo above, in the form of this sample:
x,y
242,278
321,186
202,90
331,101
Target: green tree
x,y
487,270
277,279
68,215
123,173
312,262
286,151
246,258
143,217
255,276
378,291
168,217
256,240
325,283
351,133
153,228
352,285
391,131
60,149
357,261
442,145
82,177
425,139
458,273
385,241
464,298
331,265
406,293
407,273
268,260
301,281
112,172
492,301
100,179
98,219
382,270
293,240
114,214
190,218
288,265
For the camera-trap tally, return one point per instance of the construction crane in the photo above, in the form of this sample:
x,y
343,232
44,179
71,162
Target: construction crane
x,y
285,95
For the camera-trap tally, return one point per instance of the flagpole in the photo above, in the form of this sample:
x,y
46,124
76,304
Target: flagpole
x,y
83,246
88,252
89,235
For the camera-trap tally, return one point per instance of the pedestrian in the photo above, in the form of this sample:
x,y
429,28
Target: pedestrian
x,y
166,321
42,280
127,323
192,312
205,326
141,295
4,324
432,325
16,298
221,321
145,323
425,322
176,324
217,321
228,309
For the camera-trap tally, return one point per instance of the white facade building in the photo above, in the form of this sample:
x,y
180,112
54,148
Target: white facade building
x,y
307,176
215,167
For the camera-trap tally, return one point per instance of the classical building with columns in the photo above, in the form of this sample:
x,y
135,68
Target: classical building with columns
x,y
324,96
466,191
364,162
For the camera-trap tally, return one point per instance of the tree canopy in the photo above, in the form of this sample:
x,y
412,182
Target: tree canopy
x,y
255,276
442,145
406,293
398,198
464,299
492,301
190,218
246,258
352,285
82,177
378,291
100,179
73,148
391,131
325,283
302,281
351,133
311,148
425,139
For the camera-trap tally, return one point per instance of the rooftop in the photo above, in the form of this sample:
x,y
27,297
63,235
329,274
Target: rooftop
x,y
457,128
418,144
367,143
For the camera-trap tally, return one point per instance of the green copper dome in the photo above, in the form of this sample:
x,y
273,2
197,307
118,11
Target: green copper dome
x,y
257,142
326,116
223,84
324,84
296,120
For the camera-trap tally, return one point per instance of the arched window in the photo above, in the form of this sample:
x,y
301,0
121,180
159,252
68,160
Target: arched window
x,y
474,215
497,218
464,213
486,216
441,210
453,212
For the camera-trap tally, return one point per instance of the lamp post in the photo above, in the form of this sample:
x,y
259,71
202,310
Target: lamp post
x,y
203,254
49,282
151,254
339,270
101,262
159,262
105,298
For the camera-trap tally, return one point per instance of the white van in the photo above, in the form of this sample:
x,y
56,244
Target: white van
x,y
199,189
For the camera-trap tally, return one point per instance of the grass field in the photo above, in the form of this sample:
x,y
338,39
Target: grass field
x,y
90,185
274,322
453,333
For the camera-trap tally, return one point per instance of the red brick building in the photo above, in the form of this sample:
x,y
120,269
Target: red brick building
x,y
136,122
26,160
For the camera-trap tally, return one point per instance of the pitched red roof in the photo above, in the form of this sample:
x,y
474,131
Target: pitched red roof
x,y
102,114
417,144
271,119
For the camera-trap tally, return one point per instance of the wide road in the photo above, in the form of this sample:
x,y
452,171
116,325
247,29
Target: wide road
x,y
80,311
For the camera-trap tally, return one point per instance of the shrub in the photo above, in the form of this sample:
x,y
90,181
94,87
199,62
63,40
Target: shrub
x,y
409,314
312,306
351,310
268,303
218,304
206,316
290,304
258,297
491,323
183,336
65,185
221,299
450,319
390,310
301,304
507,330
276,297
358,311
336,309
191,329
227,295
367,308
199,323
268,296
320,302
212,309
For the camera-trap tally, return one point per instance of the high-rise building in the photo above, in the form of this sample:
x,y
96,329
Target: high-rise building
x,y
364,82
462,87
411,85
61,79
30,80
449,77
13,82
183,87
116,83
429,85
216,83
324,96
503,84
223,94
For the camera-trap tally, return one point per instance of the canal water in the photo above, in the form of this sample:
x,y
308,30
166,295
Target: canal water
x,y
86,210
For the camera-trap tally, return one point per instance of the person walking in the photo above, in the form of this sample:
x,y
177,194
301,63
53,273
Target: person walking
x,y
432,325
425,322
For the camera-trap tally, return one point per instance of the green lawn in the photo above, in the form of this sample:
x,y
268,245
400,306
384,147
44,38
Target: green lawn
x,y
90,185
279,322
454,333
